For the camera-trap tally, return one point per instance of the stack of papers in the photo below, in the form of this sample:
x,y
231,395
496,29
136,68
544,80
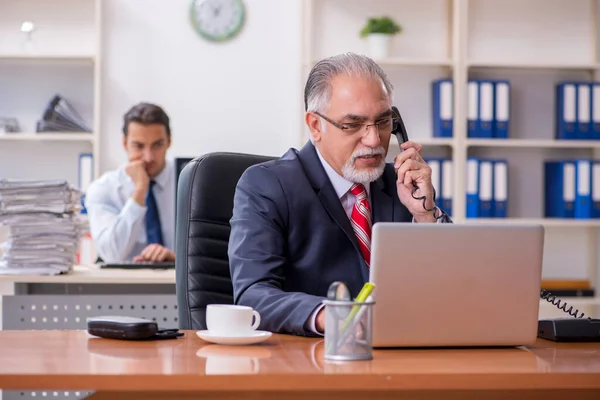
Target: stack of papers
x,y
44,227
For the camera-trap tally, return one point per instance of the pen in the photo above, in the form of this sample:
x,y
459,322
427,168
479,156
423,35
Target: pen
x,y
355,321
361,298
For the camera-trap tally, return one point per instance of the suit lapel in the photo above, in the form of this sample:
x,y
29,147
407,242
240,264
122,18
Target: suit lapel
x,y
382,203
325,191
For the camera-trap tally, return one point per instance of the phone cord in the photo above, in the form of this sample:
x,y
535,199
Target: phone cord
x,y
562,305
424,198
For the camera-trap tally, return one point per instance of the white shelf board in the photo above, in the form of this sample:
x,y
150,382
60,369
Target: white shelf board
x,y
426,141
531,65
400,61
48,57
547,222
45,136
567,144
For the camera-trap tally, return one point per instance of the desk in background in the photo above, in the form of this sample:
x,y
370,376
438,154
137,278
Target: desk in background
x,y
65,301
290,367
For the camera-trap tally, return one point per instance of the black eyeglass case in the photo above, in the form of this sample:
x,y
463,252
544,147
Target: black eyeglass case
x,y
128,328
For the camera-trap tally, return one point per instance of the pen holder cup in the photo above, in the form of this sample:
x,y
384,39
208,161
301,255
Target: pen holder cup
x,y
348,330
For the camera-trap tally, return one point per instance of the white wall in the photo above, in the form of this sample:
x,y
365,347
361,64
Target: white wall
x,y
244,95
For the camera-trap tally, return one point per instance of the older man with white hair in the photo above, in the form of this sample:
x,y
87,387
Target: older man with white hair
x,y
304,221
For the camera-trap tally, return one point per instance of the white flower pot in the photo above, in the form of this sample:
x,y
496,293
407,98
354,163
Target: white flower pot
x,y
379,45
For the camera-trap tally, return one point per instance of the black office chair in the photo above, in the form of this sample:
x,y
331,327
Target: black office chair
x,y
204,207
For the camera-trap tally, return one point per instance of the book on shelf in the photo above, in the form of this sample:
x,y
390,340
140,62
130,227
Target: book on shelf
x,y
551,284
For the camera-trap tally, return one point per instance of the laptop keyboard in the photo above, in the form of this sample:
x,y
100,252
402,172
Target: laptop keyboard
x,y
139,265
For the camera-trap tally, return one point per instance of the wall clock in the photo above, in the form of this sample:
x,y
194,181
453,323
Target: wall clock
x,y
217,20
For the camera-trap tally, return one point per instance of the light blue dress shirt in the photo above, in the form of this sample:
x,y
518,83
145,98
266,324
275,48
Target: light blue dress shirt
x,y
117,222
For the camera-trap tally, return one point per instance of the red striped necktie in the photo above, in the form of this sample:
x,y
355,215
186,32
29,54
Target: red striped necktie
x,y
361,220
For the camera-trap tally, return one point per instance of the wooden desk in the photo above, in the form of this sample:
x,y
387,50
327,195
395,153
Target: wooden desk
x,y
289,367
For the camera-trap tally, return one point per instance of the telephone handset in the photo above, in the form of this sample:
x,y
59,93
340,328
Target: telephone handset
x,y
399,130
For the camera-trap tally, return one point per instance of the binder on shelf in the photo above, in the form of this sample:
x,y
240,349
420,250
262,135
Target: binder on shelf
x,y
566,111
486,184
85,176
501,109
595,189
472,108
486,109
584,110
85,171
447,185
60,116
583,195
595,106
436,174
559,180
442,107
500,201
472,188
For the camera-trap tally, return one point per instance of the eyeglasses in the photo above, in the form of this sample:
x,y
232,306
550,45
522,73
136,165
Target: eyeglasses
x,y
383,125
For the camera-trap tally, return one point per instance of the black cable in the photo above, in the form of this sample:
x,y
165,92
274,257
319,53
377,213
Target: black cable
x,y
562,305
424,198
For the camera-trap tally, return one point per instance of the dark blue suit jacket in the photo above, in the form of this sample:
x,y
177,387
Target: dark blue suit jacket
x,y
291,238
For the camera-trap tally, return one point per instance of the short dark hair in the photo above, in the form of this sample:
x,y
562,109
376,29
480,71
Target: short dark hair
x,y
146,114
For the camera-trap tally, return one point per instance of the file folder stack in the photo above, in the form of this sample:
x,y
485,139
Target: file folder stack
x,y
487,188
572,189
488,109
578,110
60,116
44,227
442,178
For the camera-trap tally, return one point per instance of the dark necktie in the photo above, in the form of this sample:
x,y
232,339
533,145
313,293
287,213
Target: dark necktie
x,y
153,230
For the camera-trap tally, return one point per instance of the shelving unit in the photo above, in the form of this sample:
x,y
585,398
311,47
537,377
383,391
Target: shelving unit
x,y
532,43
54,136
62,56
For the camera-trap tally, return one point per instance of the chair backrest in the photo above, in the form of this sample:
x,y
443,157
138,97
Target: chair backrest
x,y
204,207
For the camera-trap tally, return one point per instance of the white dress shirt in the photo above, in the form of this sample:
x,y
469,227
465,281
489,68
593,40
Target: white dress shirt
x,y
117,222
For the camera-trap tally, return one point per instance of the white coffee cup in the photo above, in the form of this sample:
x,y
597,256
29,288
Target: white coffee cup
x,y
231,320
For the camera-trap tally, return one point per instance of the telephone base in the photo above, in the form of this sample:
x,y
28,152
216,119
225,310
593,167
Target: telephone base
x,y
569,329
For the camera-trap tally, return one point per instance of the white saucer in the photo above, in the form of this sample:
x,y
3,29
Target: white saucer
x,y
249,338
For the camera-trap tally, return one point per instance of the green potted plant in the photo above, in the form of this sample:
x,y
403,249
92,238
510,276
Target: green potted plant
x,y
379,31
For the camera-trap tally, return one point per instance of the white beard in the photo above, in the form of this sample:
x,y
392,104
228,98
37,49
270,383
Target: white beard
x,y
364,176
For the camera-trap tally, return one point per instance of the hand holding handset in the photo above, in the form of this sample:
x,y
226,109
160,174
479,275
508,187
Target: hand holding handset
x,y
399,130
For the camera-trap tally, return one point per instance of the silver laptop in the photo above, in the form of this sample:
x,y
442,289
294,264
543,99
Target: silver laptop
x,y
455,285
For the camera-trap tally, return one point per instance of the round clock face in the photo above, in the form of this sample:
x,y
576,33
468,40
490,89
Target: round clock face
x,y
217,20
